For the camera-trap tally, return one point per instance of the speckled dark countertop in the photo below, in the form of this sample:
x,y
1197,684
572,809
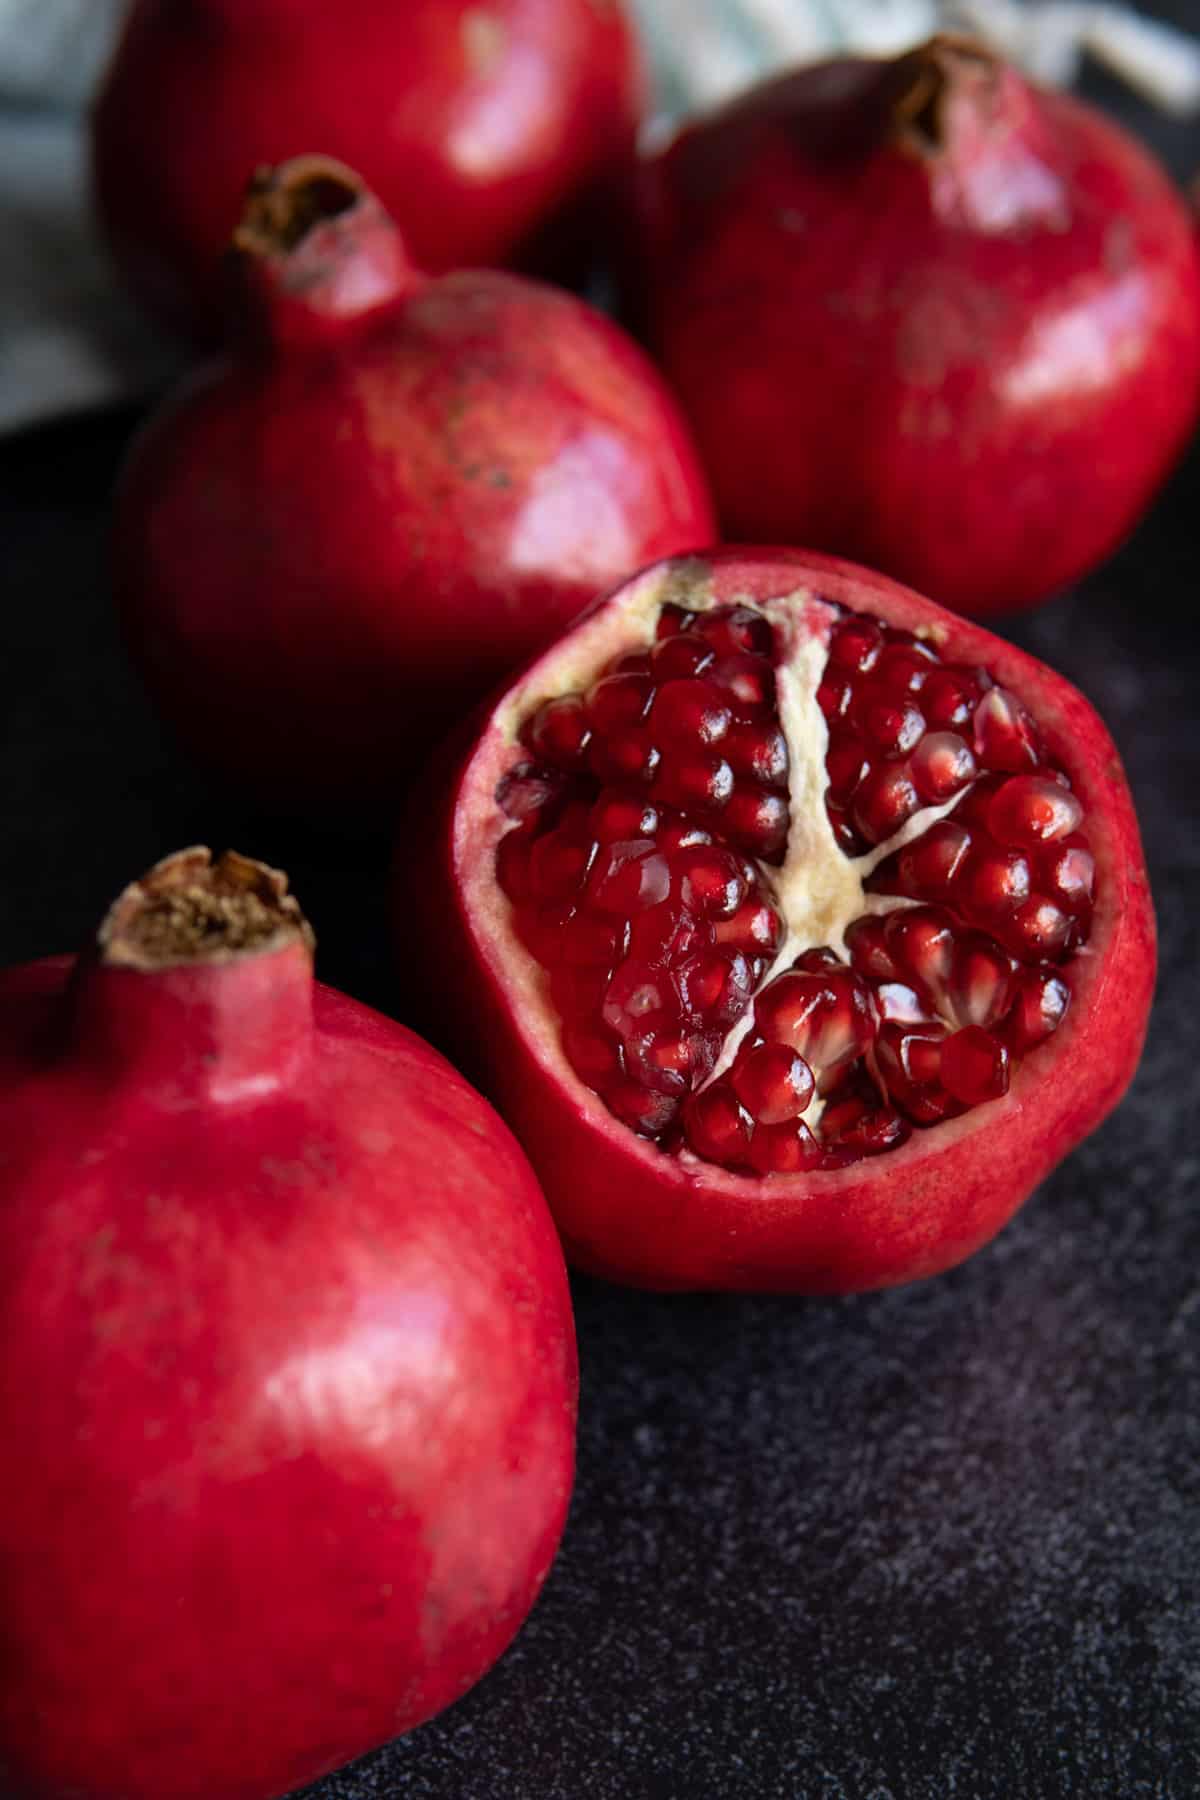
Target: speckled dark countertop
x,y
938,1542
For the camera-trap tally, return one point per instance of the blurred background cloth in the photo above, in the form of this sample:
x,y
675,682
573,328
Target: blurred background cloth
x,y
69,340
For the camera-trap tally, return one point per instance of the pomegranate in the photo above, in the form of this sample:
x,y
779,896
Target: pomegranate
x,y
289,1415
927,315
797,926
492,129
334,540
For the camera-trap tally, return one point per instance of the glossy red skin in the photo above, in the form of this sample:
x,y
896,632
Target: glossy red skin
x,y
327,547
970,367
290,1396
635,1214
478,126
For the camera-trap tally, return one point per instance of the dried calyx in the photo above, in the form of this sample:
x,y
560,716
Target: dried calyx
x,y
283,204
793,900
190,908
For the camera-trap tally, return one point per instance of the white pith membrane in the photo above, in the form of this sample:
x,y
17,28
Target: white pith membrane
x,y
819,889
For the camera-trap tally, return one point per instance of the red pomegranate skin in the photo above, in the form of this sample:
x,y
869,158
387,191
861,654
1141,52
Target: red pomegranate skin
x,y
634,1213
336,538
487,129
289,1414
966,355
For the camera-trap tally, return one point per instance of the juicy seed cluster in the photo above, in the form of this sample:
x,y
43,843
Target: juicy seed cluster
x,y
907,730
639,873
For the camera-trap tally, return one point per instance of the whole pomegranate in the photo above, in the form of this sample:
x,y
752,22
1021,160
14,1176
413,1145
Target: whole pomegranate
x,y
290,1373
797,926
924,314
492,129
336,538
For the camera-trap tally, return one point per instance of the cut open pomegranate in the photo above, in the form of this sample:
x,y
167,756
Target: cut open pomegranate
x,y
798,926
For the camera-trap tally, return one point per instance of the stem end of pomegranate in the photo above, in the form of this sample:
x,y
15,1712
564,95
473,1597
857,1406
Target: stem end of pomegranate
x,y
192,907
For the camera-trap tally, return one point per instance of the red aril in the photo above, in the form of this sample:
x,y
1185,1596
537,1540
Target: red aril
x,y
848,1049
334,540
491,131
925,314
289,1396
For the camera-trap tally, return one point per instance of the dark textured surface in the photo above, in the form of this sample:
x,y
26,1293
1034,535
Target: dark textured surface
x,y
940,1542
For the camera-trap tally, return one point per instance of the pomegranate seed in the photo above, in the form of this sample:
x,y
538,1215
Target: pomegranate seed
x,y
787,1149
619,816
903,668
681,834
755,927
1038,931
539,925
664,934
892,727
715,1126
636,993
855,646
997,882
772,1083
847,838
896,1000
1067,874
672,620
866,940
704,781
1031,810
1038,1010
627,878
981,986
749,681
711,883
627,756
921,939
647,1113
942,764
686,713
558,865
883,802
528,791
736,631
846,763
974,1066
637,662
756,821
594,1055
715,986
834,696
677,658
930,867
1005,735
616,702
588,942
948,700
758,749
667,1059
512,864
578,993
559,732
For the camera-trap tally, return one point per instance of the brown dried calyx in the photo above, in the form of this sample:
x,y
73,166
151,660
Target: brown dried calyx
x,y
926,77
189,908
285,203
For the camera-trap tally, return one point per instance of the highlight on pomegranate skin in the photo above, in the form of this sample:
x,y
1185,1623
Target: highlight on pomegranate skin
x,y
650,878
797,926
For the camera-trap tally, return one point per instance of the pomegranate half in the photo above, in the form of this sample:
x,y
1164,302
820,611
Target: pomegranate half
x,y
927,315
290,1369
336,538
492,131
797,927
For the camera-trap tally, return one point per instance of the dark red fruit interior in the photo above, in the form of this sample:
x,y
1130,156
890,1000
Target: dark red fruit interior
x,y
645,860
